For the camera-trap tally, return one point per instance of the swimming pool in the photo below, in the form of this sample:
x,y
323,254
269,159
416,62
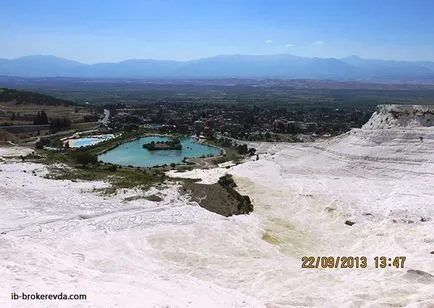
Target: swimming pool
x,y
82,142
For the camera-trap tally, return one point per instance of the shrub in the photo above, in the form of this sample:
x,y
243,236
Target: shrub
x,y
112,168
85,158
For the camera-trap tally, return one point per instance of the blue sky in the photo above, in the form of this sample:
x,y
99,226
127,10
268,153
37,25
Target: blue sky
x,y
114,30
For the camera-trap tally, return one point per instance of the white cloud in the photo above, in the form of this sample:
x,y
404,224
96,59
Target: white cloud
x,y
268,41
288,45
319,42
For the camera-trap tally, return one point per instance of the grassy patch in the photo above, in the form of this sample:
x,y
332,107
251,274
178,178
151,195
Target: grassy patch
x,y
85,126
128,178
50,158
117,177
231,153
122,178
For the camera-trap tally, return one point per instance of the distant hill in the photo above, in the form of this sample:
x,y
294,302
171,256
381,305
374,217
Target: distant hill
x,y
40,66
19,111
33,98
351,68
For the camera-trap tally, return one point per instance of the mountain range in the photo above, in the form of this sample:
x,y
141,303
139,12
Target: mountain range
x,y
238,66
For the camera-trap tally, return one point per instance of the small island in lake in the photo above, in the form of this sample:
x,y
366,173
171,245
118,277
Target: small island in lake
x,y
174,144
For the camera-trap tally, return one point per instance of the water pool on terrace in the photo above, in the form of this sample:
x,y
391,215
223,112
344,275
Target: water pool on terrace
x,y
82,142
132,153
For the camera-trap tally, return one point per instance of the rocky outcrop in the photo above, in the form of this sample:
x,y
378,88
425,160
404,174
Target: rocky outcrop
x,y
220,198
402,135
244,205
395,116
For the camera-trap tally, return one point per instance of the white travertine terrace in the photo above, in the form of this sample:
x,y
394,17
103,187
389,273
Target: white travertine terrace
x,y
62,236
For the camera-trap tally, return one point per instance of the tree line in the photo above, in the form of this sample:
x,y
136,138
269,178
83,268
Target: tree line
x,y
55,123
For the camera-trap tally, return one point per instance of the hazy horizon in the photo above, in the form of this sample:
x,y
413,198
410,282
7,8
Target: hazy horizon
x,y
212,56
113,31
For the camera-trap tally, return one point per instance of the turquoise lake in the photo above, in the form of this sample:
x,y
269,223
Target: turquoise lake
x,y
133,153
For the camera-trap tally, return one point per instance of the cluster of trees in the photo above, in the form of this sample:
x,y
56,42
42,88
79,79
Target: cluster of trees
x,y
288,128
59,124
174,144
55,123
84,158
243,149
41,118
49,142
90,117
225,142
